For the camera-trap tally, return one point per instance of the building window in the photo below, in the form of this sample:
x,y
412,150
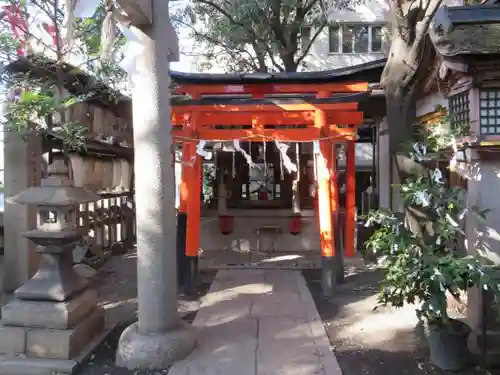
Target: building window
x,y
305,37
377,36
459,110
355,38
334,37
489,115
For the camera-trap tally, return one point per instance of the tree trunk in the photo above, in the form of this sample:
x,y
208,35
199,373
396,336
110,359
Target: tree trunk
x,y
403,76
402,82
289,63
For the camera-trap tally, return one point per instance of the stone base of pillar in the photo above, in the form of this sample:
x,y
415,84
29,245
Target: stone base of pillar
x,y
482,316
328,276
491,356
190,276
154,351
339,250
181,247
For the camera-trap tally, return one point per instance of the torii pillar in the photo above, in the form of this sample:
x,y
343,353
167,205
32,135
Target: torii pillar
x,y
159,337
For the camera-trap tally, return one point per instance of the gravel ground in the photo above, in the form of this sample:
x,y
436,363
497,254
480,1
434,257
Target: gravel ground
x,y
368,342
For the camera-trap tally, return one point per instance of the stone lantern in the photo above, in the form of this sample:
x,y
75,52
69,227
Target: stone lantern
x,y
54,319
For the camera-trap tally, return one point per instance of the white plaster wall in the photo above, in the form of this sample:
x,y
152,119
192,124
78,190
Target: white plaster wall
x,y
383,165
364,156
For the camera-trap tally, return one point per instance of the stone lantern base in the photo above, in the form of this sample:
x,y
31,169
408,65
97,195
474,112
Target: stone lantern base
x,y
54,322
38,337
45,336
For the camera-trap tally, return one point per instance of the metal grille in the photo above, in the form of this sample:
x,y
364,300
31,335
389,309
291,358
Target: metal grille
x,y
459,110
489,101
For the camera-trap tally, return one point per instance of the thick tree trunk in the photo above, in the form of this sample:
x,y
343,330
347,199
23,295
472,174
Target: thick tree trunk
x,y
401,114
402,80
289,62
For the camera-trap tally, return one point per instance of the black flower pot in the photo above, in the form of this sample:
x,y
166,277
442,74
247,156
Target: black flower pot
x,y
448,345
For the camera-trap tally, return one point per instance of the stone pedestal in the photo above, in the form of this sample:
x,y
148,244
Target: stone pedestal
x,y
482,238
54,321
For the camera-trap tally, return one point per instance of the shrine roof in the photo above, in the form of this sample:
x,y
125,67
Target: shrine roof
x,y
338,98
467,30
366,72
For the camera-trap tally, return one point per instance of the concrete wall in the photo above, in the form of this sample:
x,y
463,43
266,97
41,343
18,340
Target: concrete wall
x,y
483,236
246,225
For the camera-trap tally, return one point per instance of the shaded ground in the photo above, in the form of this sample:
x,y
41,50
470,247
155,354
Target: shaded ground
x,y
116,283
368,342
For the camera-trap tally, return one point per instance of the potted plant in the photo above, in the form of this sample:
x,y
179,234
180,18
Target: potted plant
x,y
417,251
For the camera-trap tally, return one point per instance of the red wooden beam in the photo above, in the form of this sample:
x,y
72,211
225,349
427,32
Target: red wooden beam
x,y
287,135
271,88
275,107
209,119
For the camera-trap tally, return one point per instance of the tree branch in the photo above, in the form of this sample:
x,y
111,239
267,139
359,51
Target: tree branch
x,y
297,24
250,31
275,23
229,49
311,42
422,27
227,15
309,6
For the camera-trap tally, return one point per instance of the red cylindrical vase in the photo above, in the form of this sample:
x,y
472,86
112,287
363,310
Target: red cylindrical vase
x,y
295,225
226,224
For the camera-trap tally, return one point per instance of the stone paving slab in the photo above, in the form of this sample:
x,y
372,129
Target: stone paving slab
x,y
226,259
259,322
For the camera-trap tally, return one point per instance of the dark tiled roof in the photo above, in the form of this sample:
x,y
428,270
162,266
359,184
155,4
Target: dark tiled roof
x,y
370,72
467,30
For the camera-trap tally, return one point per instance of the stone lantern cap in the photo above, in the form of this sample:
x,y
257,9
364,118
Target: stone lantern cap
x,y
54,196
56,191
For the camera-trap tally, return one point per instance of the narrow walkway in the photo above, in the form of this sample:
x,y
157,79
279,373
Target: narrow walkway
x,y
259,322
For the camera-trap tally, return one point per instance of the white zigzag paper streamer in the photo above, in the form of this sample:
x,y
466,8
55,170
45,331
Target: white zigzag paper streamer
x,y
247,157
207,155
287,162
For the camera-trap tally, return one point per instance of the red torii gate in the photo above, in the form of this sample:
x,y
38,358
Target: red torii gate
x,y
266,110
